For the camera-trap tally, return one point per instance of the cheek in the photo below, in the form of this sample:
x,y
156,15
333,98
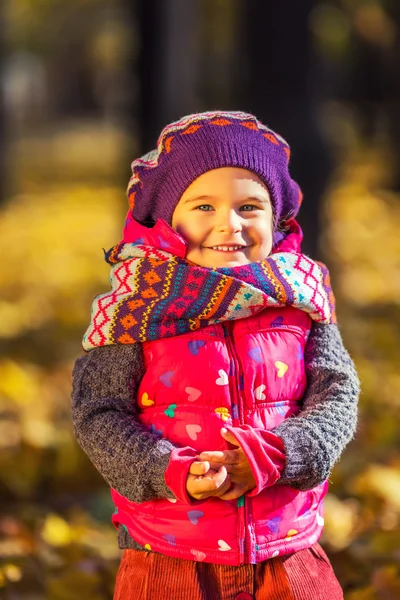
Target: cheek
x,y
265,239
190,231
189,228
265,232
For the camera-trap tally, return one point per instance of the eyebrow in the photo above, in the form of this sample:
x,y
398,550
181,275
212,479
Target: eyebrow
x,y
197,198
206,197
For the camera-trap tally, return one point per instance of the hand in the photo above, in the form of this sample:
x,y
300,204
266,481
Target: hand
x,y
236,464
203,482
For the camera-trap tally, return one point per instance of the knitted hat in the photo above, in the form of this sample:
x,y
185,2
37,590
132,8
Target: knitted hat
x,y
200,142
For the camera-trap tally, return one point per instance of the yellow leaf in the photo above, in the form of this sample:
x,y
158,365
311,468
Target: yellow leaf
x,y
56,531
12,572
383,481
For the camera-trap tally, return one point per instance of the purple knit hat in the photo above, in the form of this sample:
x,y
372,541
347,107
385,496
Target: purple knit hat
x,y
200,142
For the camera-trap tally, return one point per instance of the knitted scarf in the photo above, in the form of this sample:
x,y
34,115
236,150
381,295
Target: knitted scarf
x,y
157,294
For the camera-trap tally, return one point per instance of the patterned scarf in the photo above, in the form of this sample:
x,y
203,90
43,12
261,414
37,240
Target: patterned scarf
x,y
157,294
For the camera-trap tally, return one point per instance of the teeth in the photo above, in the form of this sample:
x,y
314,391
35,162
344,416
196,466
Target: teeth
x,y
227,248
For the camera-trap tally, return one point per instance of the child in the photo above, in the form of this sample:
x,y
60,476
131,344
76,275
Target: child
x,y
216,393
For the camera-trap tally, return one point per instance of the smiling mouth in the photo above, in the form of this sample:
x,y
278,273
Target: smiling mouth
x,y
227,248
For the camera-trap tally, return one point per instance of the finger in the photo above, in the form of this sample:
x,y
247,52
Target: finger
x,y
231,467
220,477
214,456
206,485
227,457
217,466
234,492
199,467
234,472
229,437
225,487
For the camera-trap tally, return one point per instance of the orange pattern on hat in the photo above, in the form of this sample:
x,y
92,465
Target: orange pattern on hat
x,y
300,199
132,200
191,129
271,138
250,125
221,122
287,151
168,142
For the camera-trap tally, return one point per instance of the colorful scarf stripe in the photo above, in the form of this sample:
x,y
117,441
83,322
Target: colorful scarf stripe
x,y
156,294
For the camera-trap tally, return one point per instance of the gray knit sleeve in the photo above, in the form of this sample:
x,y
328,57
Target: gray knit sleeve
x,y
317,436
130,458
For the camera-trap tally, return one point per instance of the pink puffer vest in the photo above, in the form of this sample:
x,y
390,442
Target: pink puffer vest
x,y
245,372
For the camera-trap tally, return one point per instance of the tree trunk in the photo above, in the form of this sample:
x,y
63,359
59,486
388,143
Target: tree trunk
x,y
2,113
168,64
279,88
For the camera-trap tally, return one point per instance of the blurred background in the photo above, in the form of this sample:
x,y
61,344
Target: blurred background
x,y
85,86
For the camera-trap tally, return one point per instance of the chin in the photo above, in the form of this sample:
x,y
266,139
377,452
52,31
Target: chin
x,y
219,261
233,263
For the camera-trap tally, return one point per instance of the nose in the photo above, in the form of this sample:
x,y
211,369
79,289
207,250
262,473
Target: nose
x,y
229,222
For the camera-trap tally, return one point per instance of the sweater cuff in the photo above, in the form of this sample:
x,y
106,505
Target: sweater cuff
x,y
177,472
264,451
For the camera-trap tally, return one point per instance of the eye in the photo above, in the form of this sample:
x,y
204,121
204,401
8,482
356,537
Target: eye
x,y
204,207
249,208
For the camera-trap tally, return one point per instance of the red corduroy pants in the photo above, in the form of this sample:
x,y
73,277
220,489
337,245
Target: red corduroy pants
x,y
304,575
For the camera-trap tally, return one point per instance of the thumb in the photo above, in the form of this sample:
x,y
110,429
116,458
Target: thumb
x,y
229,437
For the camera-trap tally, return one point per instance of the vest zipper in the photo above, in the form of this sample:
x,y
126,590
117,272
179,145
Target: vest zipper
x,y
238,419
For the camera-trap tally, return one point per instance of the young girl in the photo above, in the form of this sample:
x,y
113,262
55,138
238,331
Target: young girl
x,y
216,393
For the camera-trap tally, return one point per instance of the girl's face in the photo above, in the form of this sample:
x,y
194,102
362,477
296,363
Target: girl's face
x,y
225,216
